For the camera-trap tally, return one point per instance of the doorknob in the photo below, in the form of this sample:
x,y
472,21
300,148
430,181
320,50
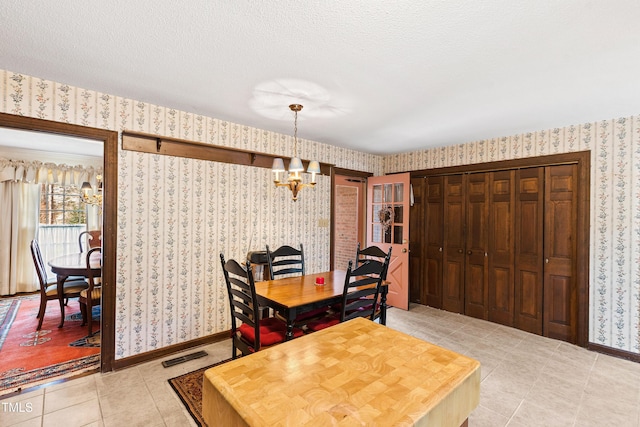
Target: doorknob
x,y
546,260
459,251
469,253
404,250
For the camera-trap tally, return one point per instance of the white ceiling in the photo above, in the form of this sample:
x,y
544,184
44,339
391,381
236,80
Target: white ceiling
x,y
377,76
25,145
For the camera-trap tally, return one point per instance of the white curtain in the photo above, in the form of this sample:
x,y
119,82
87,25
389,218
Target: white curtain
x,y
19,220
19,210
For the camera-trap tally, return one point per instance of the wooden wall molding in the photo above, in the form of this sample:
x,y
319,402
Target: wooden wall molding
x,y
156,144
165,351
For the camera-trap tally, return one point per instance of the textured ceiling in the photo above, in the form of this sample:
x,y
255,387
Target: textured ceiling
x,y
381,77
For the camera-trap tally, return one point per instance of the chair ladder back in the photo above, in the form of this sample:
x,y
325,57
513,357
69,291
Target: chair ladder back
x,y
369,252
356,300
290,259
243,303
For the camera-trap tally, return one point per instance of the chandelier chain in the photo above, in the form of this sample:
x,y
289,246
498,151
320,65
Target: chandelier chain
x,y
295,134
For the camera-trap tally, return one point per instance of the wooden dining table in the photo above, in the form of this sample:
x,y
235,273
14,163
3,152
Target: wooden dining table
x,y
292,296
73,265
355,373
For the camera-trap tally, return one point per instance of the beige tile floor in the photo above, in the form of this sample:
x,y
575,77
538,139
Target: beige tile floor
x,y
527,380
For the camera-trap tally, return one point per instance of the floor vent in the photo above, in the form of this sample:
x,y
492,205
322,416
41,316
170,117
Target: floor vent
x,y
185,358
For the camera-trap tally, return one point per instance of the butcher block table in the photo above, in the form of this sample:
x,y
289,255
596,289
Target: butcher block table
x,y
351,374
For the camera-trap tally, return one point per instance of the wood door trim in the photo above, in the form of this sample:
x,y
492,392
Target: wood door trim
x,y
583,160
522,163
109,235
332,215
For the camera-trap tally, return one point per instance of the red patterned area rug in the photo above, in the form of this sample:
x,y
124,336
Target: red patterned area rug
x,y
29,357
188,387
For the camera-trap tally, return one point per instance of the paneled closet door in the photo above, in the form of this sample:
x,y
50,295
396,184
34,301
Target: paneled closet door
x,y
529,235
560,319
476,278
454,249
501,245
434,240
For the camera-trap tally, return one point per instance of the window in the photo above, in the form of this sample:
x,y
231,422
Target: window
x,y
60,205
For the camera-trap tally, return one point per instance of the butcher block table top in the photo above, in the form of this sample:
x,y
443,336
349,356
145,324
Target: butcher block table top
x,y
354,373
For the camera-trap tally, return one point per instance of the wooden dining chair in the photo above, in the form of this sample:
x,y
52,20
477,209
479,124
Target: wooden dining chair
x,y
374,252
49,287
289,260
369,252
359,299
285,260
249,333
89,239
92,296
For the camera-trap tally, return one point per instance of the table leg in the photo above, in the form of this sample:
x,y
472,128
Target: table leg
x,y
61,279
383,306
291,317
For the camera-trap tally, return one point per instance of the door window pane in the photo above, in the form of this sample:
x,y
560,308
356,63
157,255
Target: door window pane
x,y
387,235
388,196
397,234
375,212
397,214
376,235
377,194
399,191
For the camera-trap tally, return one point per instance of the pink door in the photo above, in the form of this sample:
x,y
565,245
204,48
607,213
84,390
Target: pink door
x,y
388,227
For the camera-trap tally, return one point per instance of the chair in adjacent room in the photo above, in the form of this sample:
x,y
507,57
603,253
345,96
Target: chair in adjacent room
x,y
92,296
249,333
359,298
89,239
49,287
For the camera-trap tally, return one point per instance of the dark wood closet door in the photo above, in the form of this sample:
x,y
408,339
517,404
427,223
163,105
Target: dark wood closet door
x,y
476,277
434,240
560,294
528,249
501,245
417,230
454,250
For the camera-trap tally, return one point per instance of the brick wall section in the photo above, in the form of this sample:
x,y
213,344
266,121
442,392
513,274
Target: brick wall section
x,y
346,225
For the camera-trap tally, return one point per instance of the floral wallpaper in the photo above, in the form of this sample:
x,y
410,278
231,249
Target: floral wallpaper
x,y
614,276
176,215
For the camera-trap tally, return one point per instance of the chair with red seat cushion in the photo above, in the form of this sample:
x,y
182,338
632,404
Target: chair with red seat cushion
x,y
249,334
362,255
289,260
374,252
359,298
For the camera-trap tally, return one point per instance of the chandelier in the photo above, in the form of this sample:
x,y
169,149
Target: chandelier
x,y
294,180
91,197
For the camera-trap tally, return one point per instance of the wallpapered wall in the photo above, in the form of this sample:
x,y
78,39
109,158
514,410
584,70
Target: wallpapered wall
x,y
614,277
176,215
